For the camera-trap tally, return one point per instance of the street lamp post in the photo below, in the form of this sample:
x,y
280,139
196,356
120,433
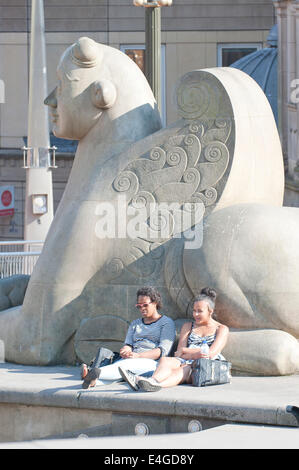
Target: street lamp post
x,y
39,157
153,43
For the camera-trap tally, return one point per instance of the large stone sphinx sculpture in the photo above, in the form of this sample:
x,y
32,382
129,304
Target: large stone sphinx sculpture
x,y
197,203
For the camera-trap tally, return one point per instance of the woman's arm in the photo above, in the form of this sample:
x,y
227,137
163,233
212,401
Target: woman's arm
x,y
215,348
220,341
126,351
167,335
129,340
183,340
150,354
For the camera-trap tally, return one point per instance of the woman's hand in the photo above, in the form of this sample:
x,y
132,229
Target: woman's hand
x,y
198,354
187,354
133,355
181,352
126,352
190,353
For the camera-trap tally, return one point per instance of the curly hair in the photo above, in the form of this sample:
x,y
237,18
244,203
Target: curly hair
x,y
152,293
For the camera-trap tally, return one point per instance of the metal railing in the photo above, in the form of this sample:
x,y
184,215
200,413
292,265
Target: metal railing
x,y
19,256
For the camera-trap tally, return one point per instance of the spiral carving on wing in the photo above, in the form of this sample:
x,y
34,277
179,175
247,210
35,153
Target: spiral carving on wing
x,y
126,181
114,267
208,197
157,154
161,223
196,127
214,151
222,122
144,200
191,176
175,156
193,99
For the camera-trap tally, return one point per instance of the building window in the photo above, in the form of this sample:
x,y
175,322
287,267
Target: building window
x,y
230,53
137,53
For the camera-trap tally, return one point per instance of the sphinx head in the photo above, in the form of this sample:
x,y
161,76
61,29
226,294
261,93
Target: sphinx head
x,y
84,91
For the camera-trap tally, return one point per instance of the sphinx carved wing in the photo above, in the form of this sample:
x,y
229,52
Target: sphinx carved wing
x,y
175,177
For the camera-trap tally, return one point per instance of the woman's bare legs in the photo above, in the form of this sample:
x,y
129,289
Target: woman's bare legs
x,y
170,372
165,368
178,376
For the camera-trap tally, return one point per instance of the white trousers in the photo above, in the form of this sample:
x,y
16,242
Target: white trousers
x,y
137,366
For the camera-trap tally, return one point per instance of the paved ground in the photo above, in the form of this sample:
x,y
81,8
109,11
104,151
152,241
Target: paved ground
x,y
257,405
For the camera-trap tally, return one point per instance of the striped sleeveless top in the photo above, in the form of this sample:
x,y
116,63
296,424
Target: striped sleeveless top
x,y
195,341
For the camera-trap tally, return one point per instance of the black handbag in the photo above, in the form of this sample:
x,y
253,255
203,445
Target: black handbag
x,y
210,372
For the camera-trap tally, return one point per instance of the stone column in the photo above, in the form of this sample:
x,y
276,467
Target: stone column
x,y
38,172
281,13
290,76
296,60
153,50
153,43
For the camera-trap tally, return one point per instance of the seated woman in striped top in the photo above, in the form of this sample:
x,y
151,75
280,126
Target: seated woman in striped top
x,y
148,338
177,370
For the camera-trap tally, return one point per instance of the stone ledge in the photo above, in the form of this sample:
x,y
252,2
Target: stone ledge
x,y
246,400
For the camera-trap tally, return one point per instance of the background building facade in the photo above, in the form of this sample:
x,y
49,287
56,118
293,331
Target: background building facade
x,y
195,34
288,96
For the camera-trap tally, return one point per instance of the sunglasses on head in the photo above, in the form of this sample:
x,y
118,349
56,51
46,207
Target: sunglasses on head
x,y
143,305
